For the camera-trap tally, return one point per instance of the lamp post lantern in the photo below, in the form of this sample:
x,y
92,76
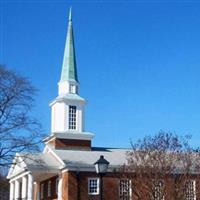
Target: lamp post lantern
x,y
101,166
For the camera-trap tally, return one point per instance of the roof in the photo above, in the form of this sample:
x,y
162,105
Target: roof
x,y
41,160
53,160
33,162
86,159
69,70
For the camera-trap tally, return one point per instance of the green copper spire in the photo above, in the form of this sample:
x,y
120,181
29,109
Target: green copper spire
x,y
69,71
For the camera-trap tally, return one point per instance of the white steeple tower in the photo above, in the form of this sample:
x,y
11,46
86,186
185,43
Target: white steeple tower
x,y
67,119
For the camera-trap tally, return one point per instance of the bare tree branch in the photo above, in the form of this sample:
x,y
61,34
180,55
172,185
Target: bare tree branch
x,y
19,131
161,165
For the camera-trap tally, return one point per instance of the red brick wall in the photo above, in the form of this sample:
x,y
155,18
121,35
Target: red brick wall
x,y
53,188
69,143
110,185
69,186
75,186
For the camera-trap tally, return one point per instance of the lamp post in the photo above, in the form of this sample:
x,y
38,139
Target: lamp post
x,y
101,166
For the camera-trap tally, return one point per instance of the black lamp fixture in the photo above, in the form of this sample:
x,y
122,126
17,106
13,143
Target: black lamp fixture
x,y
101,166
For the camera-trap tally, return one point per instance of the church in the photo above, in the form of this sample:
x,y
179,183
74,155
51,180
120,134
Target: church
x,y
65,169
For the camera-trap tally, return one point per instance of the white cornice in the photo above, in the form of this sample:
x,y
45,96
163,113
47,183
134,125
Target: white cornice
x,y
18,176
69,135
69,99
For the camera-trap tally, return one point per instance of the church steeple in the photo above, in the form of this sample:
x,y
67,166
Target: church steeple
x,y
67,126
69,78
69,71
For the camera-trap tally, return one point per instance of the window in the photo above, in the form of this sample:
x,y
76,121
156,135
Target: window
x,y
158,190
125,189
57,181
49,189
42,190
93,186
190,190
72,89
72,117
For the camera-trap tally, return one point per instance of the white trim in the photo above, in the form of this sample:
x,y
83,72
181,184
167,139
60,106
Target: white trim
x,y
69,81
15,162
46,149
60,187
195,193
19,176
124,186
55,156
68,100
194,188
75,135
46,142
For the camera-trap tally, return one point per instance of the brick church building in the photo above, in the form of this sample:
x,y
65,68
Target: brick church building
x,y
65,169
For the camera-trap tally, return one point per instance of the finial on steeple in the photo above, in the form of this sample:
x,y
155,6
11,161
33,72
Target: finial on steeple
x,y
70,14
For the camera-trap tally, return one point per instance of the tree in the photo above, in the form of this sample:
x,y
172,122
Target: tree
x,y
4,189
163,166
19,131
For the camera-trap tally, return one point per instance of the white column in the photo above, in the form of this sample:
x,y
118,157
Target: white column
x,y
30,187
37,190
24,187
17,189
60,187
12,188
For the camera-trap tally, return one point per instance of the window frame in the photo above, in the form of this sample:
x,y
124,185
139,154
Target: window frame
x,y
189,192
97,185
72,118
49,188
56,185
159,190
42,191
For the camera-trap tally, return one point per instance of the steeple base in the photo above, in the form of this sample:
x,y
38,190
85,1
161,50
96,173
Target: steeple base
x,y
74,141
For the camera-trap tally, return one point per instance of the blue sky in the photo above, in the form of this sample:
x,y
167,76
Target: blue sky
x,y
138,62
